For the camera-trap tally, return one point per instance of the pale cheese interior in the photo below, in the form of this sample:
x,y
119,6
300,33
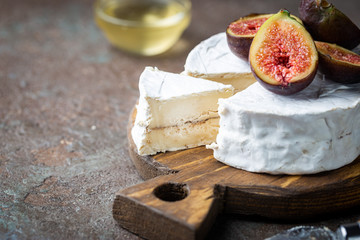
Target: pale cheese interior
x,y
180,110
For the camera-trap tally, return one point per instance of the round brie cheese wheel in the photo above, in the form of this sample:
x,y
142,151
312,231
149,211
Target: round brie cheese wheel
x,y
212,59
315,130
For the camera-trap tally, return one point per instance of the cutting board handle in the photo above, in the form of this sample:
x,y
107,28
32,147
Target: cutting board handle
x,y
167,208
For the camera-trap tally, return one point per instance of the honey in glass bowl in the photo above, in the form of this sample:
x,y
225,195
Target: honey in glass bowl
x,y
145,27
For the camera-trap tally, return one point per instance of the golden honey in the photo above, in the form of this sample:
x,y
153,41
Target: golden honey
x,y
146,27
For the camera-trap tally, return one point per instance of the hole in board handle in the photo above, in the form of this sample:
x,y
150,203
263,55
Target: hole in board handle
x,y
172,192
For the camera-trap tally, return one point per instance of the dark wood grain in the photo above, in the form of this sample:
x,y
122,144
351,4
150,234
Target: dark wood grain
x,y
196,188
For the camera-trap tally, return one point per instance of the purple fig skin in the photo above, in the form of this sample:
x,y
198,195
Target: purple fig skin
x,y
239,46
335,70
290,89
327,24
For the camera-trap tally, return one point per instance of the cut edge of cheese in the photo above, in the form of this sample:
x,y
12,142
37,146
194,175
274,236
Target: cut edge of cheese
x,y
187,135
174,109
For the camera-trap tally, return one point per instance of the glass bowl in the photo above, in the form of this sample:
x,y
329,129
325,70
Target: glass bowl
x,y
145,27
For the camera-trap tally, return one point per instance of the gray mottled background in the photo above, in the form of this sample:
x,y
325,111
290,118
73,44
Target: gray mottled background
x,y
65,98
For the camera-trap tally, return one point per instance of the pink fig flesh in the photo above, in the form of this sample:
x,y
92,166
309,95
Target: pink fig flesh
x,y
241,32
338,64
283,56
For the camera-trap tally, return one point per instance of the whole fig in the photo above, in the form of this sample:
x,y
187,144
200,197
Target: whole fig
x,y
328,24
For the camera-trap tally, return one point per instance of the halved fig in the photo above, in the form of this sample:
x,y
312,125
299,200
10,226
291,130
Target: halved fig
x,y
328,24
241,33
283,56
337,63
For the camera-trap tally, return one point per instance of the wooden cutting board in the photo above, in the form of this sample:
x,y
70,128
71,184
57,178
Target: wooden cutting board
x,y
185,191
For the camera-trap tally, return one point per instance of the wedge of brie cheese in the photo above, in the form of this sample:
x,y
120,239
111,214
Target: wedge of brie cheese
x,y
312,131
176,111
213,60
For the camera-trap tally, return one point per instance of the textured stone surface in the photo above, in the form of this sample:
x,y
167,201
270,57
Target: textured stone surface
x,y
65,97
